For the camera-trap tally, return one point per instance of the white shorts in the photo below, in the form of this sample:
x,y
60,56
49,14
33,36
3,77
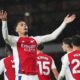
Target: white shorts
x,y
28,77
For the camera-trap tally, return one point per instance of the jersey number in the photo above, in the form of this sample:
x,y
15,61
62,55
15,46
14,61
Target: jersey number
x,y
43,67
75,68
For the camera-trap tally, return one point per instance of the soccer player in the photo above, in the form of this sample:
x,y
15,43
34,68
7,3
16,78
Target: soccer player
x,y
72,60
45,65
7,66
25,48
67,47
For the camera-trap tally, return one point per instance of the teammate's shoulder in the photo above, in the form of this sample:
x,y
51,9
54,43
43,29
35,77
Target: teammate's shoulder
x,y
8,58
35,37
64,57
43,54
14,36
49,57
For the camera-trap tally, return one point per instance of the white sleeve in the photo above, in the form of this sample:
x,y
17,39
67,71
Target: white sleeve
x,y
53,66
8,38
65,63
1,66
52,36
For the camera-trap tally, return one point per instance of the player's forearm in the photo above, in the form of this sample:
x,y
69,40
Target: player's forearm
x,y
54,34
62,72
60,78
57,32
55,72
4,30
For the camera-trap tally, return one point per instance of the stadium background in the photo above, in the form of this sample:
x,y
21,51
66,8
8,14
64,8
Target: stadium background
x,y
43,17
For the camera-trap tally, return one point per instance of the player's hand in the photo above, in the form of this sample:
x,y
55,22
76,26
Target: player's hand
x,y
3,15
69,19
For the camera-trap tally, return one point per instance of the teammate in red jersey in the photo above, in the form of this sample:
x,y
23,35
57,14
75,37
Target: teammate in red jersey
x,y
72,60
25,47
7,66
45,65
67,47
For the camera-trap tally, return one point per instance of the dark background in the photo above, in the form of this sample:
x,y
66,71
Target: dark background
x,y
45,16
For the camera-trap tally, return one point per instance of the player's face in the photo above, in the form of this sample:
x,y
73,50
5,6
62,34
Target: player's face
x,y
22,27
65,46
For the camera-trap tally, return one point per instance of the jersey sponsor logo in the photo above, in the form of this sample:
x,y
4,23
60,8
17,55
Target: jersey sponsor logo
x,y
28,48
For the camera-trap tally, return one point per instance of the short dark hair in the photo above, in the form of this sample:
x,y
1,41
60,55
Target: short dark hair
x,y
68,41
40,47
76,40
17,21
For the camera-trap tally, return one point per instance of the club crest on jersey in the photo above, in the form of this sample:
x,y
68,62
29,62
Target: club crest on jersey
x,y
23,41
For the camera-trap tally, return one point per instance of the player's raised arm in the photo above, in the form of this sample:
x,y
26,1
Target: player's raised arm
x,y
68,19
3,17
8,39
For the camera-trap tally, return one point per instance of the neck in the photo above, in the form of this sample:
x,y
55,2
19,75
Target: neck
x,y
39,51
22,35
76,48
69,50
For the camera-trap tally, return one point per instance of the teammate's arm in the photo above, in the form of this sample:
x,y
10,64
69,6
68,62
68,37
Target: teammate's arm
x,y
65,63
55,72
1,66
55,34
54,69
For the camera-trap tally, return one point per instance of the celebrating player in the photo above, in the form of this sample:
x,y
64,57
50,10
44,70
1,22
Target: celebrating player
x,y
72,60
25,47
45,65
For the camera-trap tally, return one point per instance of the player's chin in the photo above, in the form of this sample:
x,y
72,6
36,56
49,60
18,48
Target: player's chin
x,y
26,32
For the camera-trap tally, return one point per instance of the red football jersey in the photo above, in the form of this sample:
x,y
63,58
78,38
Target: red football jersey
x,y
45,64
74,60
27,51
9,66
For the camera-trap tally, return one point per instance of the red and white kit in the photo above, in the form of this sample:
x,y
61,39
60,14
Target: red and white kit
x,y
45,65
72,61
24,50
7,66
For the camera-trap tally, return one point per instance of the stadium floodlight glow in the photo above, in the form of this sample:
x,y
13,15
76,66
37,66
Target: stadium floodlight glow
x,y
27,14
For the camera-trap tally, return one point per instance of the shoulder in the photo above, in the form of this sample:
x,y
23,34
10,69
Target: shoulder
x,y
64,58
8,59
35,37
2,61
